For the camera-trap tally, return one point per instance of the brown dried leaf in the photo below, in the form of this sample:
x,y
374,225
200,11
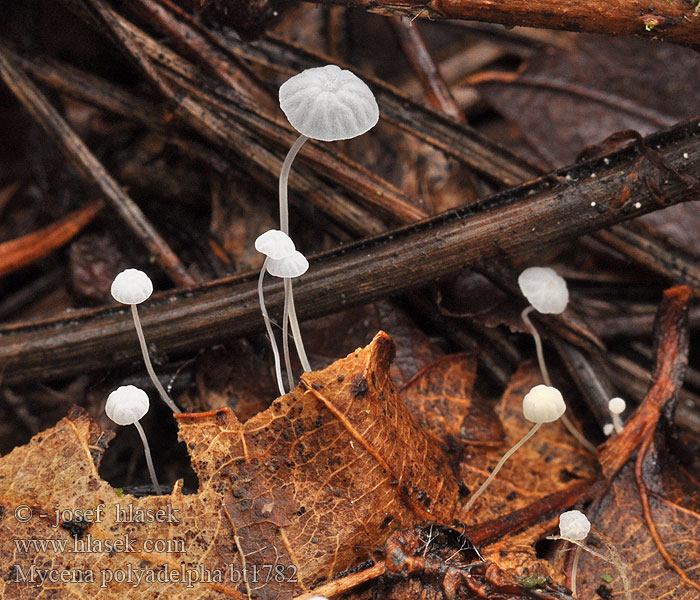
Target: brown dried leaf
x,y
551,461
442,398
318,481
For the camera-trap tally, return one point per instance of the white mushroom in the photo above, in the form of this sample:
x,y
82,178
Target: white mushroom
x,y
617,406
547,293
134,287
542,404
574,527
288,267
327,104
544,289
126,406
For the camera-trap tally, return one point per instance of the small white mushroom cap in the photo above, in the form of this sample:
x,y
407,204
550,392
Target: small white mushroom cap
x,y
543,404
288,267
544,289
608,428
132,287
617,406
275,244
329,104
574,525
126,405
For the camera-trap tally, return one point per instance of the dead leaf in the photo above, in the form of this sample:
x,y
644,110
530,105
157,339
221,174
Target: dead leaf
x,y
568,99
310,487
551,461
442,398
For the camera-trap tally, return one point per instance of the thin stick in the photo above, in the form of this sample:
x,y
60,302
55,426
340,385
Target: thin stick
x,y
268,327
91,169
149,460
545,377
501,462
146,359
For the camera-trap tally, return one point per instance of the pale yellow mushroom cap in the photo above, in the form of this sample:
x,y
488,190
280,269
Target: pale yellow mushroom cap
x,y
543,404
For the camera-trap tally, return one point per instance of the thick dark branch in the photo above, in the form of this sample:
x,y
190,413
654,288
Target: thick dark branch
x,y
668,20
546,211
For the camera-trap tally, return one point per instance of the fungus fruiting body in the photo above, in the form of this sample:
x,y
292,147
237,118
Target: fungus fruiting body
x,y
547,293
133,287
542,404
574,527
126,406
327,104
275,245
617,406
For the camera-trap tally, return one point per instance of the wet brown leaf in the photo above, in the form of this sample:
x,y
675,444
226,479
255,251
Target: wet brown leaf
x,y
568,99
318,481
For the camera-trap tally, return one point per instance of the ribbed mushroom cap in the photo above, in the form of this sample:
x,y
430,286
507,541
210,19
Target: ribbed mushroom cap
x,y
617,406
329,104
132,287
288,267
574,525
543,404
126,405
275,244
544,289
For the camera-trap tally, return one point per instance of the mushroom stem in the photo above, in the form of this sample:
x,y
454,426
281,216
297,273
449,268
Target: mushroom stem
x,y
284,178
268,327
296,332
617,423
574,570
285,335
547,381
149,367
614,559
149,460
501,462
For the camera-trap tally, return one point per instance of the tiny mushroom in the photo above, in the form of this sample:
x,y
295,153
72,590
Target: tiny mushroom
x,y
542,404
617,406
133,287
327,104
275,245
574,527
547,293
126,406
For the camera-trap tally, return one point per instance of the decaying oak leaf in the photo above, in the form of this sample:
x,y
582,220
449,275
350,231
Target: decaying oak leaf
x,y
297,494
551,461
671,526
442,398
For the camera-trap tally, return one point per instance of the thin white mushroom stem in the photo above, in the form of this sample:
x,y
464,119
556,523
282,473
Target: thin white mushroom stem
x,y
574,570
614,559
545,377
296,332
617,423
149,460
268,327
285,335
501,462
284,178
147,360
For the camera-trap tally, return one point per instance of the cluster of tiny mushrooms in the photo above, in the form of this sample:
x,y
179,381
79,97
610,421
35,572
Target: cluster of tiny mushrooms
x,y
331,104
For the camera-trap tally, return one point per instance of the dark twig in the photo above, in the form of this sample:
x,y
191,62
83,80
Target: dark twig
x,y
669,20
515,221
91,169
422,64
